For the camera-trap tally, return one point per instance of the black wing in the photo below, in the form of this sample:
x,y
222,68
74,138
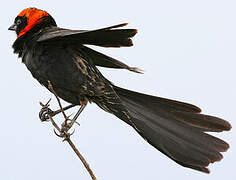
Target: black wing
x,y
105,37
102,60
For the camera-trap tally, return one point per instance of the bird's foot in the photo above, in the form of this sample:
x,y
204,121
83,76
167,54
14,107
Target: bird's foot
x,y
45,112
67,125
64,130
63,134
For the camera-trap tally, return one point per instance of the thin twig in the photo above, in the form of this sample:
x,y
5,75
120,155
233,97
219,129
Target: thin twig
x,y
86,165
66,135
54,124
67,138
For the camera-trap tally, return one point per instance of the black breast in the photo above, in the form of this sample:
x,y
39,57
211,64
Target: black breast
x,y
47,62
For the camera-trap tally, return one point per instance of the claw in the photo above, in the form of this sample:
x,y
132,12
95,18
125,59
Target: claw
x,y
64,135
59,135
72,132
67,135
77,123
71,120
44,112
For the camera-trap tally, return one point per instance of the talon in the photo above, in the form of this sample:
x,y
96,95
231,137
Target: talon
x,y
65,129
71,120
77,123
44,112
67,135
64,134
59,135
72,132
74,122
66,126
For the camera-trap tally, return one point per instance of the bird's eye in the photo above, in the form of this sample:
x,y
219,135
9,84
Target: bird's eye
x,y
18,22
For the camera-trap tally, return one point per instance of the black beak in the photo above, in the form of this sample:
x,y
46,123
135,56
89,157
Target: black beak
x,y
12,27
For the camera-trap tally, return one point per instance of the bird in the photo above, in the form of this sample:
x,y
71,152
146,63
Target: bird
x,y
62,56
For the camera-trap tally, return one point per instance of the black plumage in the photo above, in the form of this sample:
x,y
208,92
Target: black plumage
x,y
58,55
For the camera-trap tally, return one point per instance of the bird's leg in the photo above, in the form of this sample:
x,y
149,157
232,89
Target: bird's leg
x,y
63,133
66,126
43,114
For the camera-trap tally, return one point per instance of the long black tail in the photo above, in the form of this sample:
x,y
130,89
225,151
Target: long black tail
x,y
176,129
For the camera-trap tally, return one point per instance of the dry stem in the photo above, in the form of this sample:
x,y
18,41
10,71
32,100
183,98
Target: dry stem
x,y
66,135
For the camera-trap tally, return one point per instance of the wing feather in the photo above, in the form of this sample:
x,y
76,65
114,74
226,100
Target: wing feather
x,y
105,37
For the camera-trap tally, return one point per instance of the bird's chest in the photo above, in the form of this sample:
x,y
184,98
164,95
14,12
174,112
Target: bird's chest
x,y
56,66
38,64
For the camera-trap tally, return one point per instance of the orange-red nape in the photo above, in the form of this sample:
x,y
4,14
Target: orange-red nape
x,y
34,16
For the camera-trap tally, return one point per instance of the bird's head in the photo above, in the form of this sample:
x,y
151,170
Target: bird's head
x,y
31,19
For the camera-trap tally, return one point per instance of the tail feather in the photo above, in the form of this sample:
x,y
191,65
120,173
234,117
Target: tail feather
x,y
176,129
158,102
202,121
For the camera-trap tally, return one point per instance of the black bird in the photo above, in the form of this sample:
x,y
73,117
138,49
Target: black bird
x,y
58,55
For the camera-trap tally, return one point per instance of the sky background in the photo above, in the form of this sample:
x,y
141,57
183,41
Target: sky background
x,y
187,49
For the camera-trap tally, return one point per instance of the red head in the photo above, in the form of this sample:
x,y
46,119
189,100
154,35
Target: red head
x,y
29,18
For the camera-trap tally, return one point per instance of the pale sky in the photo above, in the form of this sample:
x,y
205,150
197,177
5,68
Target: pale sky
x,y
187,49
